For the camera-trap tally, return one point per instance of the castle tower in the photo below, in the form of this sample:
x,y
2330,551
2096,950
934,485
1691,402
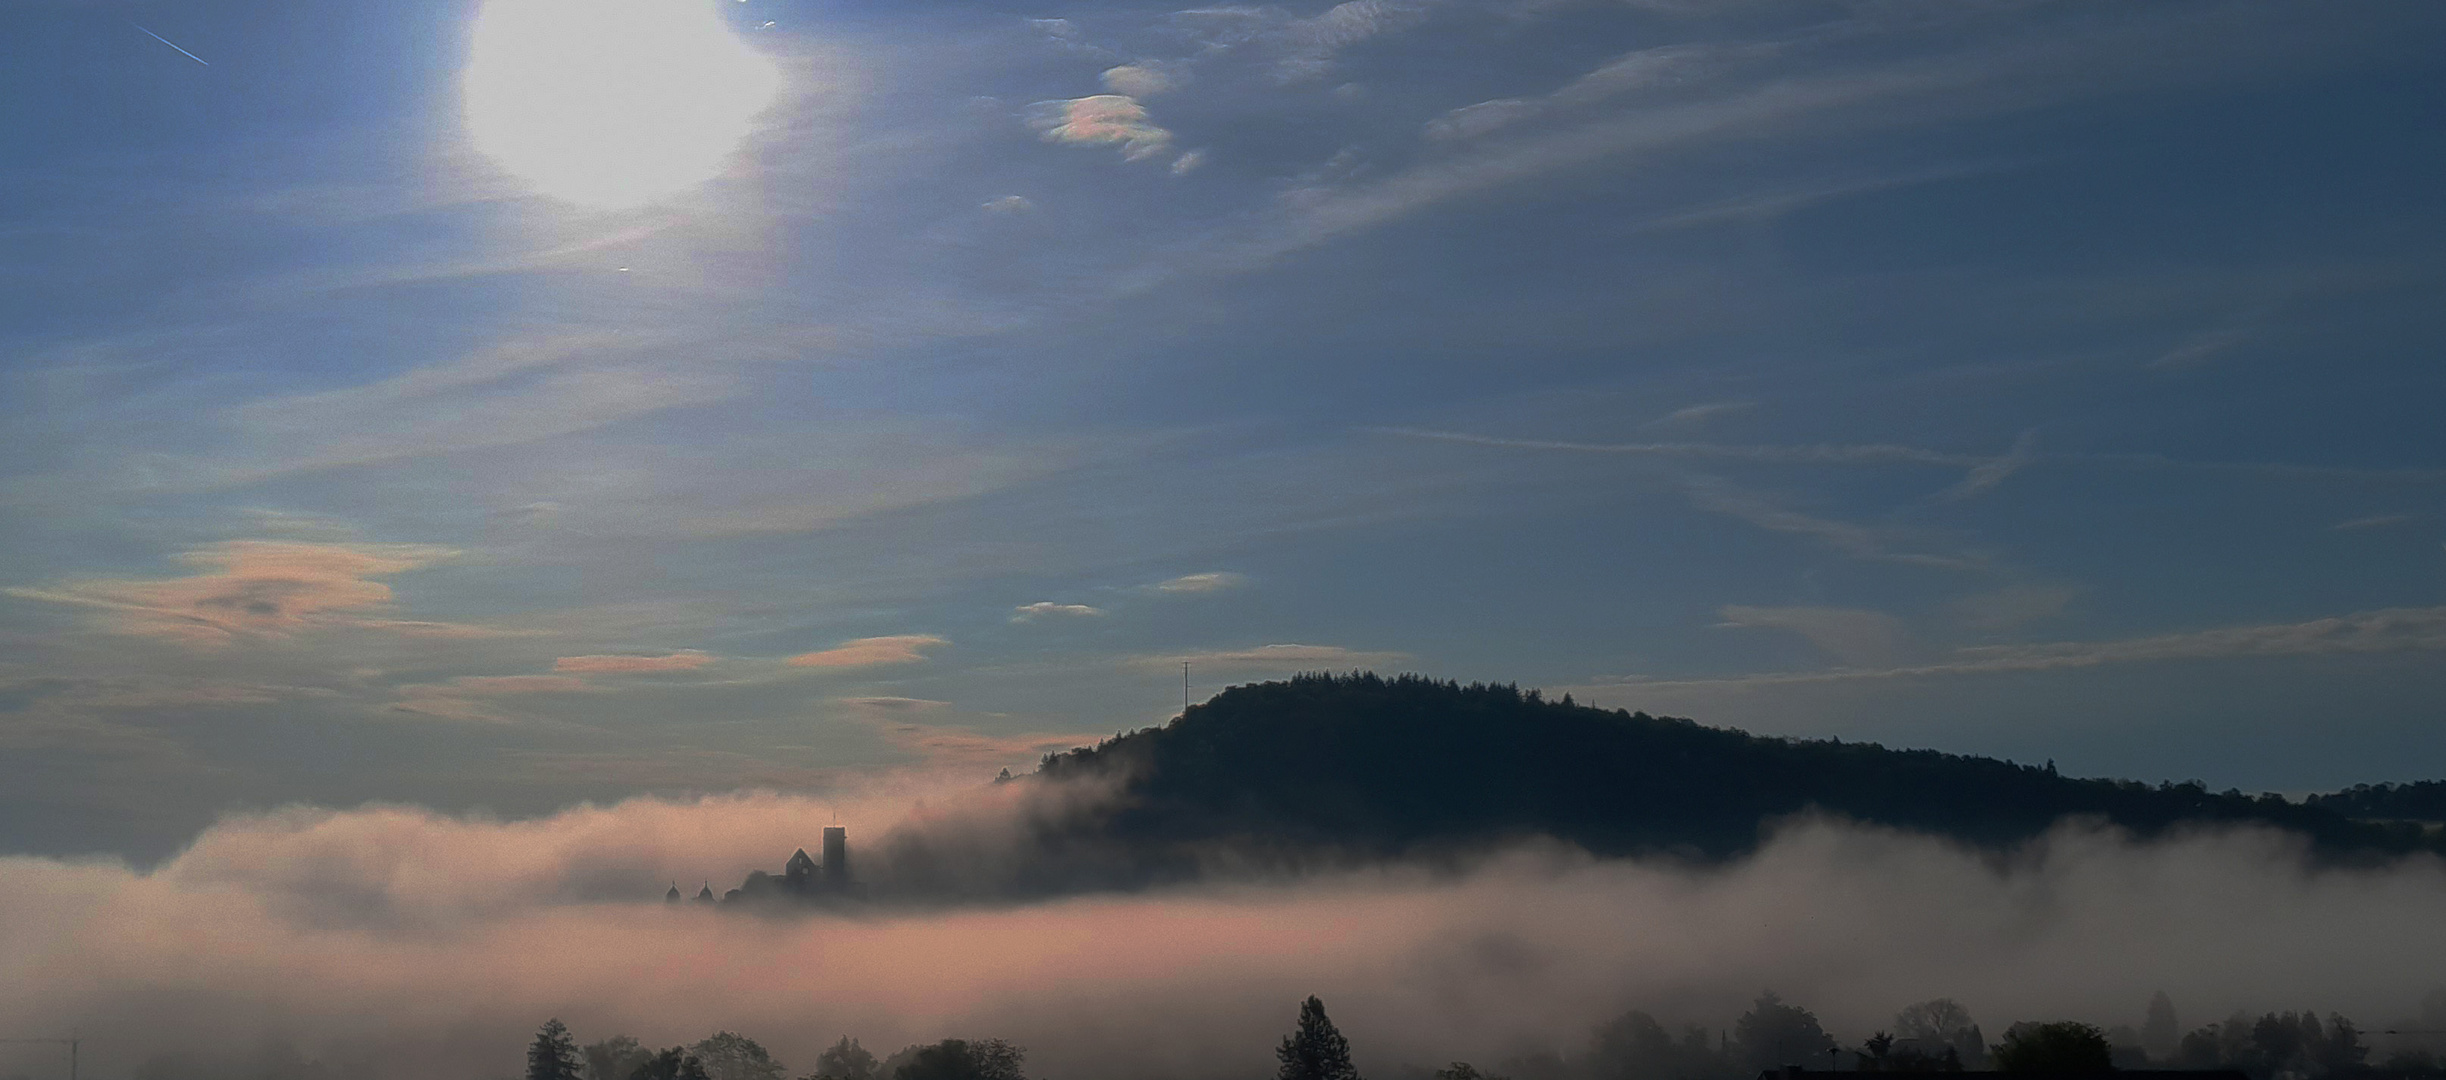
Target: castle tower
x,y
798,875
672,897
705,895
836,857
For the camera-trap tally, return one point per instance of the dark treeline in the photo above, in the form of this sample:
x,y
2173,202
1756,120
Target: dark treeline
x,y
1941,1036
728,1055
1935,1036
1373,766
2424,801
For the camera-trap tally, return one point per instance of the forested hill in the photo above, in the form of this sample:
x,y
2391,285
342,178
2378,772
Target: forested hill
x,y
1369,765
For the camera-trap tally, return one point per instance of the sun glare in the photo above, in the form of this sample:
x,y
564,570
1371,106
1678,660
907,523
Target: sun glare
x,y
612,103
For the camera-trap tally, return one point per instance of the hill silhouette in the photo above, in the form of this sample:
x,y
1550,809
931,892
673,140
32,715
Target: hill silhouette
x,y
1366,765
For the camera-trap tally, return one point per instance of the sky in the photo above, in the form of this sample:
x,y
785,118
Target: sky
x,y
495,406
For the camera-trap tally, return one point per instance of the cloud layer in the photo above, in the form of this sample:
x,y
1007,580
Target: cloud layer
x,y
397,942
870,652
254,589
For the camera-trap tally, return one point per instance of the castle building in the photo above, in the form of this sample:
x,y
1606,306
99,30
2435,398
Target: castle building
x,y
801,878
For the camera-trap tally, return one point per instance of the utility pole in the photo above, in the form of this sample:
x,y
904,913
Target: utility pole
x,y
1184,688
70,1043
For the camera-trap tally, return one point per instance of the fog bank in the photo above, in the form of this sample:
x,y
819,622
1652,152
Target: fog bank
x,y
398,942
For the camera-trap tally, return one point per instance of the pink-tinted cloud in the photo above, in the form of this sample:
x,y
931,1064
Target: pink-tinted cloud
x,y
870,652
512,684
1101,119
896,719
254,589
687,660
394,942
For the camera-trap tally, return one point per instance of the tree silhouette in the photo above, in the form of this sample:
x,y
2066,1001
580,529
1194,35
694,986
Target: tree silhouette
x,y
2060,1047
1315,1051
675,1063
614,1058
961,1059
728,1055
1938,1029
554,1055
846,1060
1634,1046
2160,1035
1774,1034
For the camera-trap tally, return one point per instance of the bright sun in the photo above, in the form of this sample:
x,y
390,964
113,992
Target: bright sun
x,y
612,103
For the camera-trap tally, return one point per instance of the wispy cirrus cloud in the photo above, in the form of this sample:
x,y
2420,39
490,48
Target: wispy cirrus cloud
x,y
1850,538
2013,605
2383,630
1690,416
871,652
1803,454
1144,79
685,660
1310,44
1987,474
258,589
1850,635
470,698
500,395
905,723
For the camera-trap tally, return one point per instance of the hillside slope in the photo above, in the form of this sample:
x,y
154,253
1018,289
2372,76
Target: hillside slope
x,y
1367,765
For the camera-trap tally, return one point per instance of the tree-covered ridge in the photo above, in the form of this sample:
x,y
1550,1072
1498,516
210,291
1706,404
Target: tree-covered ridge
x,y
2421,801
1368,764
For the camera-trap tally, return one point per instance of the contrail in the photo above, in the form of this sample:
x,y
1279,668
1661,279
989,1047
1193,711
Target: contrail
x,y
174,45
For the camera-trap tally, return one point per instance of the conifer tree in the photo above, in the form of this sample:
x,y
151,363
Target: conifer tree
x,y
1316,1051
554,1054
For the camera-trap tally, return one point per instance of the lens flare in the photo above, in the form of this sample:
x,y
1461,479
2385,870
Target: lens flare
x,y
612,103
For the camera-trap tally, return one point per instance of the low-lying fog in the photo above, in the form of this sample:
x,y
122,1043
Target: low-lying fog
x,y
397,942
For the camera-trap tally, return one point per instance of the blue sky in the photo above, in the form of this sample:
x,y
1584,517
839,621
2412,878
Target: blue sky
x,y
496,405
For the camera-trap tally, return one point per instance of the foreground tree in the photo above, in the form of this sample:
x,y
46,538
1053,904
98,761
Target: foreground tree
x,y
1773,1034
1633,1046
2160,1035
1939,1030
2061,1047
614,1058
846,1060
961,1059
554,1054
728,1055
1316,1050
675,1063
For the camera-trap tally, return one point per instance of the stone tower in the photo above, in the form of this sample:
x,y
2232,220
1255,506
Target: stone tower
x,y
836,857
